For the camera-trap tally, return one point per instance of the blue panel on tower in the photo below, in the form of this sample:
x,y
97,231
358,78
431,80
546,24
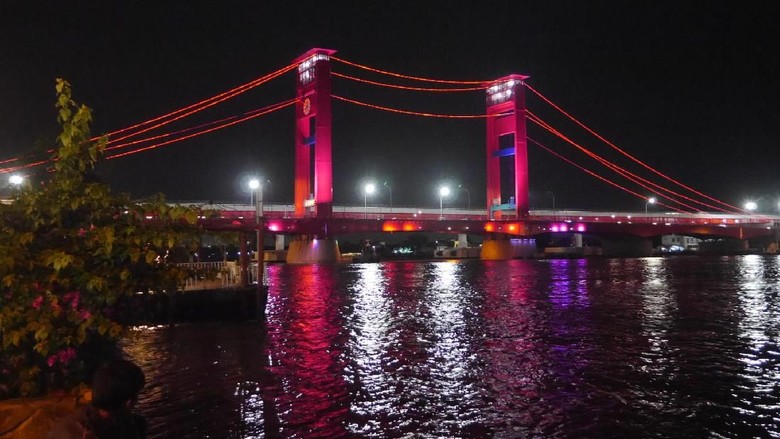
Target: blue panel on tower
x,y
504,152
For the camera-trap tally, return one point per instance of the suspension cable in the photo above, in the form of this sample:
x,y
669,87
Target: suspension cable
x,y
417,113
615,147
405,87
622,171
625,189
415,78
187,111
254,114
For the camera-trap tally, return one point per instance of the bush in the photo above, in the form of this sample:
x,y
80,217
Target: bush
x,y
71,252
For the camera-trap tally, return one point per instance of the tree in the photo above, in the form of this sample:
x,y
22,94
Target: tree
x,y
71,254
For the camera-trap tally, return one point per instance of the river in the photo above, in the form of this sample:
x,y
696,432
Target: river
x,y
648,347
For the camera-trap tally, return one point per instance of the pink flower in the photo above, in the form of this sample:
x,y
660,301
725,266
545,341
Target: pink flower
x,y
72,297
52,360
66,355
36,304
84,314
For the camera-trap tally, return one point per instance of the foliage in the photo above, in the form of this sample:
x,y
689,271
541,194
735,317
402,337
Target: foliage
x,y
71,255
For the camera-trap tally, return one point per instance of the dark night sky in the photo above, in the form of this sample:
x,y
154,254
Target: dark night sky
x,y
692,88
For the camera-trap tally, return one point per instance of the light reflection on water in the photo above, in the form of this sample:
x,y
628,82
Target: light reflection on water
x,y
677,347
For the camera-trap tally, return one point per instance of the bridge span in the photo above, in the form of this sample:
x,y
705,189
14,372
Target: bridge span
x,y
280,219
320,232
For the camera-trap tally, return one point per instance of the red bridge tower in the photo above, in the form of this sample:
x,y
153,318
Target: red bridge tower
x,y
313,149
506,136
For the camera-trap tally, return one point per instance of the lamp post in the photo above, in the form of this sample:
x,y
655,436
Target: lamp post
x,y
257,188
649,201
368,190
443,192
391,195
468,196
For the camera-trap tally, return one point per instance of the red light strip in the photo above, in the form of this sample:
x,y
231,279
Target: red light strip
x,y
162,136
254,114
29,165
598,136
415,78
201,105
622,171
625,189
404,87
416,113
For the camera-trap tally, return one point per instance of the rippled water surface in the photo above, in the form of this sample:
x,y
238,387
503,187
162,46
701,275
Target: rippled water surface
x,y
654,347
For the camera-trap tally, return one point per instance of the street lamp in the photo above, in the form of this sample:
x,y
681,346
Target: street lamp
x,y
468,196
650,200
16,179
751,206
391,195
444,191
368,190
254,184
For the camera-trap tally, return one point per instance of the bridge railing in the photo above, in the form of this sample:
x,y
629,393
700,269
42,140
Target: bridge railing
x,y
218,275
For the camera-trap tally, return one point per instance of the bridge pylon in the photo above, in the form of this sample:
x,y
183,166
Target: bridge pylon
x,y
313,123
506,136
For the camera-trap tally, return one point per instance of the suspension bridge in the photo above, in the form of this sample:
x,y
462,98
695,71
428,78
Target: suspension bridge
x,y
315,220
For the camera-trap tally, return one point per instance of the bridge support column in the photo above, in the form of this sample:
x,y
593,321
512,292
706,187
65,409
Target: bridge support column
x,y
576,240
279,243
502,248
463,240
311,250
243,259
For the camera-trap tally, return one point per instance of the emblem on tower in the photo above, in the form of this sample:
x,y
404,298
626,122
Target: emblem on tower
x,y
306,106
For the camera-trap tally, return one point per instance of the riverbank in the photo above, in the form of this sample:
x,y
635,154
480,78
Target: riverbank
x,y
32,418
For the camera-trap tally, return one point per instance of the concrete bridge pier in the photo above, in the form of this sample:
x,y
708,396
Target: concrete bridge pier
x,y
306,249
279,243
501,247
576,240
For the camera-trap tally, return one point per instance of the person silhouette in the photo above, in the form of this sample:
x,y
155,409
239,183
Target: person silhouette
x,y
115,389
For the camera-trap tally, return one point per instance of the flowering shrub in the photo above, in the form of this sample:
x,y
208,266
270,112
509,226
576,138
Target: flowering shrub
x,y
71,253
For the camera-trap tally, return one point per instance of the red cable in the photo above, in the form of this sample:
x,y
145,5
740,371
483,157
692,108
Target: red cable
x,y
404,87
135,142
622,171
222,97
233,92
16,168
416,113
588,129
269,109
206,103
636,194
415,78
